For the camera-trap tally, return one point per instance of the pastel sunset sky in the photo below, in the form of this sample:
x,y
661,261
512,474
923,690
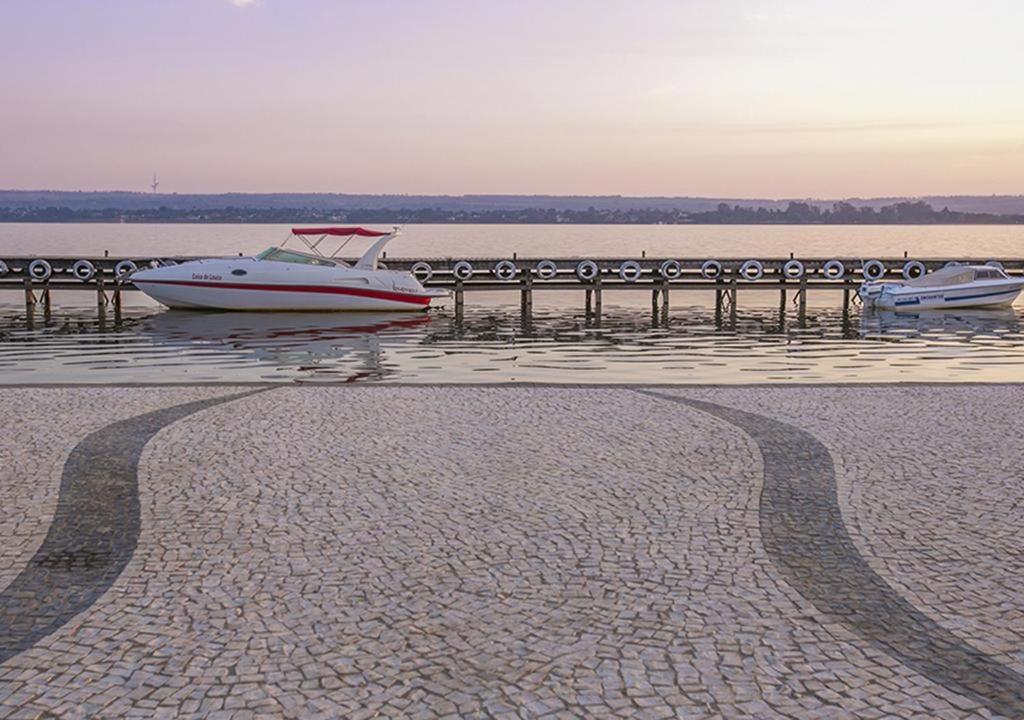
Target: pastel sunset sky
x,y
766,98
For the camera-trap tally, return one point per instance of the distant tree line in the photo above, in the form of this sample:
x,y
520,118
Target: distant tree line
x,y
844,213
795,213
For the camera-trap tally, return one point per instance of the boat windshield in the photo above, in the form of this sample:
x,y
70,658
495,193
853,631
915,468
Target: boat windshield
x,y
276,254
953,275
989,274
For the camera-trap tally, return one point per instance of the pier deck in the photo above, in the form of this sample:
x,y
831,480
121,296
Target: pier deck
x,y
14,269
109,276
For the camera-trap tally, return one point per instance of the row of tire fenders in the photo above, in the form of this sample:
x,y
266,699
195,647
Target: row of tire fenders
x,y
630,271
41,270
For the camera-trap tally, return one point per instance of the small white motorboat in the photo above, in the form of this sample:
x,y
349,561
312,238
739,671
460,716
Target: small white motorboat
x,y
955,286
290,279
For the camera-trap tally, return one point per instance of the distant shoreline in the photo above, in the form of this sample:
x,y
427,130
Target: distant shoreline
x,y
301,220
905,212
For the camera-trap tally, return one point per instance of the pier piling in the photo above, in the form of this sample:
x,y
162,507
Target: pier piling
x,y
117,303
30,297
460,299
732,303
101,295
526,294
46,302
802,303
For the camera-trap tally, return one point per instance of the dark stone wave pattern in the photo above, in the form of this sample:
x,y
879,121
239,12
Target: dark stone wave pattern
x,y
94,532
803,531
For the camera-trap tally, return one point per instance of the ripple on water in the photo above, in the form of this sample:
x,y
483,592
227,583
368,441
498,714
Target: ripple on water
x,y
495,343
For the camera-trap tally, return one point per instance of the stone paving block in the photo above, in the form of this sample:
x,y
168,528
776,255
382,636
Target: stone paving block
x,y
517,551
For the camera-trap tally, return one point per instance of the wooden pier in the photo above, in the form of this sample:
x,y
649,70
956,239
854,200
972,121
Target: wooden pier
x,y
109,277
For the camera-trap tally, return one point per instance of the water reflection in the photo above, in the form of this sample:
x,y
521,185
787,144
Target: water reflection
x,y
991,321
347,346
500,343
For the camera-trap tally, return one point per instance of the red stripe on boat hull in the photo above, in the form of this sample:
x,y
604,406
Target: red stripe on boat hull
x,y
320,289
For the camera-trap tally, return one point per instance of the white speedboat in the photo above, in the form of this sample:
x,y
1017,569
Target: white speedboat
x,y
291,279
957,286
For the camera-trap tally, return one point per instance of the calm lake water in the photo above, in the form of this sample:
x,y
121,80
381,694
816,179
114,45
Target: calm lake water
x,y
691,241
493,342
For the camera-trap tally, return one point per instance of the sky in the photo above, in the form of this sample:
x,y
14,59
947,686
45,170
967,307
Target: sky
x,y
733,98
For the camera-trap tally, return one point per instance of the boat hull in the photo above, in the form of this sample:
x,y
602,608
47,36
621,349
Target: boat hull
x,y
936,298
268,297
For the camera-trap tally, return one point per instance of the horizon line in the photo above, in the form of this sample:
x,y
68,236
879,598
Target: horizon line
x,y
521,195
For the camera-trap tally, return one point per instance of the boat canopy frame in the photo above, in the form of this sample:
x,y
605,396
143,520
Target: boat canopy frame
x,y
369,259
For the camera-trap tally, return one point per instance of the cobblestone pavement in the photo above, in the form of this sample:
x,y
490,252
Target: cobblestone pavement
x,y
508,551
